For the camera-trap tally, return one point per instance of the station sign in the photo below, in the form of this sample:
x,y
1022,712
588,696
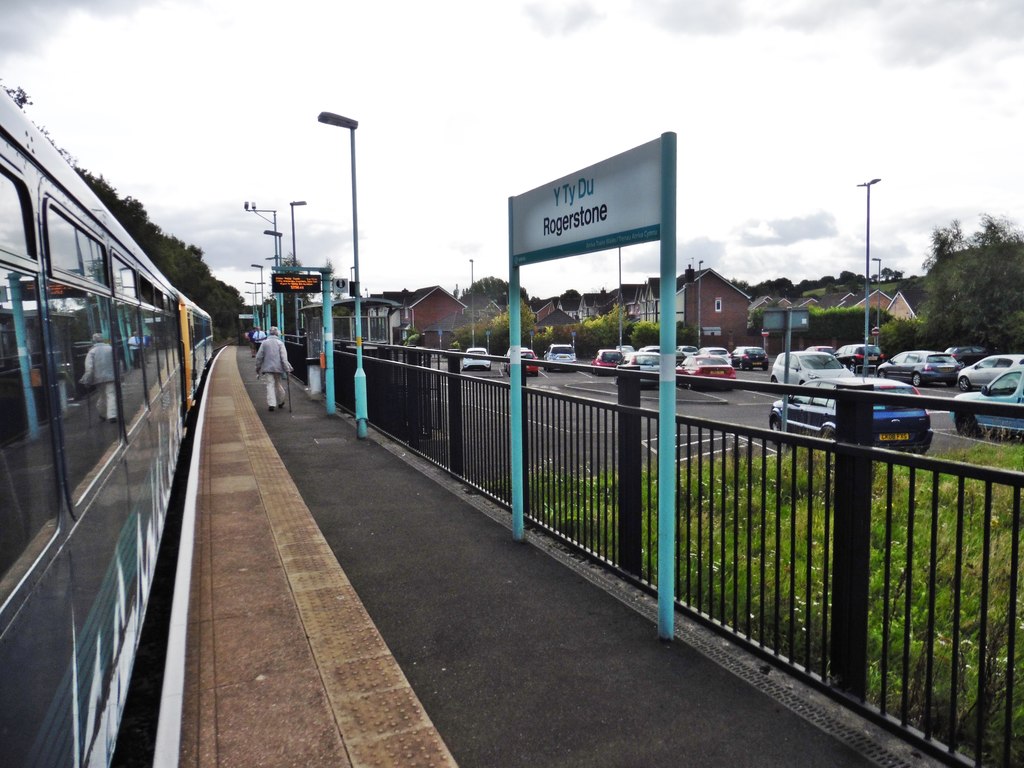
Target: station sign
x,y
295,283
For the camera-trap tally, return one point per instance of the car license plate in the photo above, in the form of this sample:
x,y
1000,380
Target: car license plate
x,y
893,436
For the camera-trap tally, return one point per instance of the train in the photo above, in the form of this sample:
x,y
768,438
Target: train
x,y
102,360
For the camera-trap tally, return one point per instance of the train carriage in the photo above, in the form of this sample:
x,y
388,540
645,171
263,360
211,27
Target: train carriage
x,y
100,362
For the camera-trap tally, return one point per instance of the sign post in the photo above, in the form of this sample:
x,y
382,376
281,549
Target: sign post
x,y
286,279
624,200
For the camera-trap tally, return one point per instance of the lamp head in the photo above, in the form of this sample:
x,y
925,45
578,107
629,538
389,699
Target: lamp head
x,y
247,205
298,202
342,122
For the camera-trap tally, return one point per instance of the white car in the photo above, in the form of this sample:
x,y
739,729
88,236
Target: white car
x,y
713,352
985,370
807,366
560,353
470,362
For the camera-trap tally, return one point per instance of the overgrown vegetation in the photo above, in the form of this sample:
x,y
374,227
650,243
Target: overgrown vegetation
x,y
754,544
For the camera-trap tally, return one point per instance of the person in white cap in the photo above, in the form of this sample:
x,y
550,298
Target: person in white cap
x,y
272,361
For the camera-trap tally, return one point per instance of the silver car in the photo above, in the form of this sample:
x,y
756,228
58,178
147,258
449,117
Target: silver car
x,y
985,370
806,366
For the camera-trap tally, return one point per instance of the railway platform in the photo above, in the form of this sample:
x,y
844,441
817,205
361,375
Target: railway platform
x,y
352,605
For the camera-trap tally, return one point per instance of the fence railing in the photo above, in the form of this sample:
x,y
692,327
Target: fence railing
x,y
888,580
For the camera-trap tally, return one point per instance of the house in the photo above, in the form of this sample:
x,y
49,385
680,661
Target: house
x,y
421,309
716,307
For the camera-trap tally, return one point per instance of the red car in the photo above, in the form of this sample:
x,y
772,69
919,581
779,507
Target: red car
x,y
606,360
524,356
697,367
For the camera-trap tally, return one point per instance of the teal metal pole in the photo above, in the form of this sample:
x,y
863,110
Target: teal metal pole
x,y
328,345
360,378
515,337
667,395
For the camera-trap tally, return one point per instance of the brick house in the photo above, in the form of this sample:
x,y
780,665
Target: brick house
x,y
720,308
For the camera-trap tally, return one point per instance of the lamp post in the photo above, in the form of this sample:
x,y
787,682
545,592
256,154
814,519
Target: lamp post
x,y
620,298
700,328
295,262
251,208
878,279
329,118
278,299
472,305
255,307
260,314
867,275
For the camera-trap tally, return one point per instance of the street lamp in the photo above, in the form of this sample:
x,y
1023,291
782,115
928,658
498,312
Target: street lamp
x,y
278,299
867,275
700,328
260,268
295,261
878,306
251,208
329,118
472,305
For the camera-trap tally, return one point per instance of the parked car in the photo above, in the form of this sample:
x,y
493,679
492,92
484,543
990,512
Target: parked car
x,y
560,353
606,360
749,358
686,350
985,370
1006,388
820,348
626,348
469,362
807,366
852,356
525,355
714,351
968,355
921,366
650,348
697,367
645,362
902,427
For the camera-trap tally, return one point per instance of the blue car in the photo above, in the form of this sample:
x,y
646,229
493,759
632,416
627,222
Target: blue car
x,y
900,427
1008,388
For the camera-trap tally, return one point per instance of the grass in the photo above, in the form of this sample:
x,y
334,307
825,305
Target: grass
x,y
928,569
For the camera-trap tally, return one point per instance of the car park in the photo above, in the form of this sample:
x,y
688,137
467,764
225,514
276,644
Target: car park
x,y
471,362
560,353
606,360
986,370
970,354
807,366
1006,388
643,362
694,370
852,356
749,358
921,366
525,356
901,427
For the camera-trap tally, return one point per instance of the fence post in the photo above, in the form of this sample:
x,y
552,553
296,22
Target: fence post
x,y
414,397
630,529
851,545
455,415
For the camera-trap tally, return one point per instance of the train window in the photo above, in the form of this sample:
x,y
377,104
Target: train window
x,y
133,351
28,476
150,359
124,280
93,368
72,250
13,239
145,290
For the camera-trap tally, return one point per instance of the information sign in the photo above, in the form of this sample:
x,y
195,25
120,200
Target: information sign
x,y
293,283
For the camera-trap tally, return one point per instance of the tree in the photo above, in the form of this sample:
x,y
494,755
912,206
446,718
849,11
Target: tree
x,y
975,285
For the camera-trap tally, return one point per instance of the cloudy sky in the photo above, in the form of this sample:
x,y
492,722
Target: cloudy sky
x,y
195,107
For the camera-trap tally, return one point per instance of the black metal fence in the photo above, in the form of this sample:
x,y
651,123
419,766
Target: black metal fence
x,y
888,580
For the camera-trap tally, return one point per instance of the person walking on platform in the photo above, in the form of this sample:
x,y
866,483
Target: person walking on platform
x,y
272,361
256,337
99,370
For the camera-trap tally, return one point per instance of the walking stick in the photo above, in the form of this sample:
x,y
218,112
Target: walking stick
x,y
288,384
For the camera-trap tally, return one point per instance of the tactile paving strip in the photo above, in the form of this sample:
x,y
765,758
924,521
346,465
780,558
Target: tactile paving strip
x,y
381,721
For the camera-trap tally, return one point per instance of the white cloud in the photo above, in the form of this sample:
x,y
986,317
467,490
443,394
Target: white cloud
x,y
195,106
